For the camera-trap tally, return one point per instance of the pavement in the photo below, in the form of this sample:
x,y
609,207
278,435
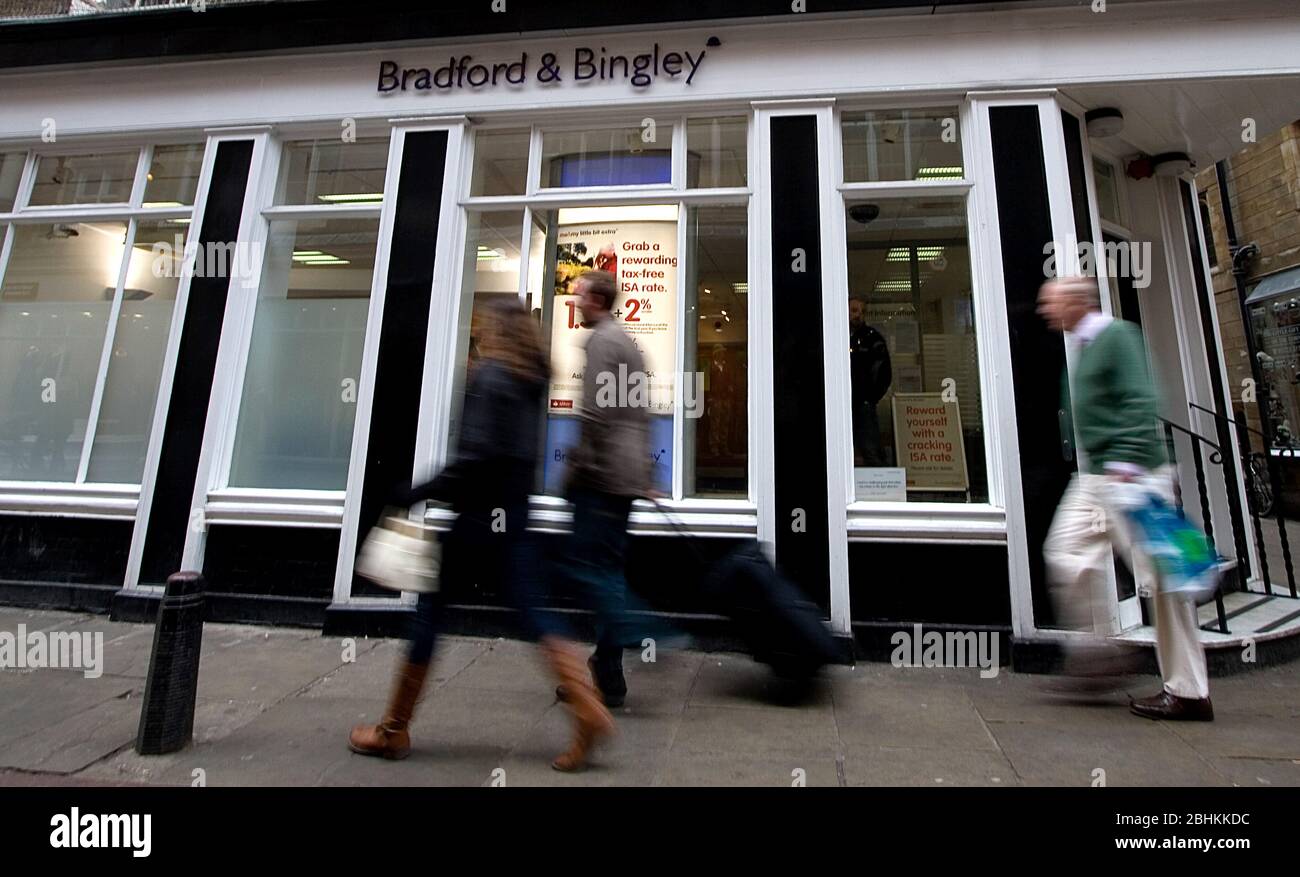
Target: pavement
x,y
274,707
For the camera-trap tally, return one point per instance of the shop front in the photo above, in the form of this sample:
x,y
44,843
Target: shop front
x,y
238,301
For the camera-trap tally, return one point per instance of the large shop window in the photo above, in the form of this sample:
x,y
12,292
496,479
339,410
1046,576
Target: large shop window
x,y
675,303
298,404
916,416
86,306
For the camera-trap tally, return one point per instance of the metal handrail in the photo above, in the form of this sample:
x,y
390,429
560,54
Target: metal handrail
x,y
1200,438
1244,429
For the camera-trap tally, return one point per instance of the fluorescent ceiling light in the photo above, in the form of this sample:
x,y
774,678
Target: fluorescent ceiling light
x,y
923,254
634,213
894,286
352,197
162,204
939,173
740,288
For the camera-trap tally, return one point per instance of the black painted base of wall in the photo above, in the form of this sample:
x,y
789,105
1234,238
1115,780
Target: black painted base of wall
x,y
870,642
1046,657
227,609
64,597
706,632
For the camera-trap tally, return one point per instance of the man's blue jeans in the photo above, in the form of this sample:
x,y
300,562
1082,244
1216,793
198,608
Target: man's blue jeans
x,y
595,562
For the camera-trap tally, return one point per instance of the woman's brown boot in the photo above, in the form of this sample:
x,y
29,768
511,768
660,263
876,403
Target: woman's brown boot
x,y
592,721
390,739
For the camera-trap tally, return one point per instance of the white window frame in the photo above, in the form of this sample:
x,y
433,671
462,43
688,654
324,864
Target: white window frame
x,y
284,506
80,497
700,515
921,522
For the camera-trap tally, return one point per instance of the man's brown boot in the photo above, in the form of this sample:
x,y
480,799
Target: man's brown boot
x,y
390,738
592,721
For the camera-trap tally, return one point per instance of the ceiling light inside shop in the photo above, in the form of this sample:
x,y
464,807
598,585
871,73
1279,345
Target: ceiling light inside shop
x,y
923,254
740,288
939,173
162,204
317,257
488,254
894,286
352,197
633,213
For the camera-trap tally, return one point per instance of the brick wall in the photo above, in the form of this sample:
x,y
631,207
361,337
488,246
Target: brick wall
x,y
1265,182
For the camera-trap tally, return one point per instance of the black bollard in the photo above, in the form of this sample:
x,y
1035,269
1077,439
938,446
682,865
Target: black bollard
x,y
167,717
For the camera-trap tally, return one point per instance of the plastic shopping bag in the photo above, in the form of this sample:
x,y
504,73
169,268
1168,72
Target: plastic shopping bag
x,y
1188,564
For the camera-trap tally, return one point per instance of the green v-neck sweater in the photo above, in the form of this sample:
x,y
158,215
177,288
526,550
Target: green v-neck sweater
x,y
1115,410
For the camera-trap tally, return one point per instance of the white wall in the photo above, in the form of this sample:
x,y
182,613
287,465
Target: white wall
x,y
953,51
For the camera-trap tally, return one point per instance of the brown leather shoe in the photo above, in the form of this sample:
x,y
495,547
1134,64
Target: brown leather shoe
x,y
612,699
390,738
591,719
1172,708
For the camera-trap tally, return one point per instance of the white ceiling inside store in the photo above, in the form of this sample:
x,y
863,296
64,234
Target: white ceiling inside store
x,y
1202,118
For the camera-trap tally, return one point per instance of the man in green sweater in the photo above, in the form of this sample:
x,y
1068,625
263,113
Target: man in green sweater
x,y
1112,403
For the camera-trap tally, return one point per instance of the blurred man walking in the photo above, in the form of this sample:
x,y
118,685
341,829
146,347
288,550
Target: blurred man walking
x,y
1114,409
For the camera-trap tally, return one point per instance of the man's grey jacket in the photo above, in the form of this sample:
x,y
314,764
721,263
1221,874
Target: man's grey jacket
x,y
613,451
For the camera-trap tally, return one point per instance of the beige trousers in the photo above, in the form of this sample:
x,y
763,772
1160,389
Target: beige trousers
x,y
1077,553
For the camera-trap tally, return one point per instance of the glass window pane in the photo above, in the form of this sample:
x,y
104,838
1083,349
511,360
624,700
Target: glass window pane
x,y
715,399
1103,174
500,162
98,178
893,145
491,270
304,361
913,364
639,246
333,172
131,388
54,306
716,156
627,156
173,177
11,172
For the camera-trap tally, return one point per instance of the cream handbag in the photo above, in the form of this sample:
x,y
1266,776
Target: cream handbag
x,y
401,555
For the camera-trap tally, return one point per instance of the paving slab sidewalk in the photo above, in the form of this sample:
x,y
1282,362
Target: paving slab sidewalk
x,y
275,705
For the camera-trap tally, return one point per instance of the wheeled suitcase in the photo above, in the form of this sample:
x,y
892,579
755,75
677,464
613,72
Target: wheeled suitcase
x,y
771,615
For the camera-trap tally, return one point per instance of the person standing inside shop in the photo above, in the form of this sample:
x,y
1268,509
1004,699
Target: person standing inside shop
x,y
870,375
608,468
488,486
1112,402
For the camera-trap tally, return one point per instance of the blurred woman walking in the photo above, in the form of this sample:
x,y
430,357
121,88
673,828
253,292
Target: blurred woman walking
x,y
488,485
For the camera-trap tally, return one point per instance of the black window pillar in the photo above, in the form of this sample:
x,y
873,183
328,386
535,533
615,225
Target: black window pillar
x,y
798,383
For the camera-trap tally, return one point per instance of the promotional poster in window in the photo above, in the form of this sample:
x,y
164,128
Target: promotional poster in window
x,y
642,255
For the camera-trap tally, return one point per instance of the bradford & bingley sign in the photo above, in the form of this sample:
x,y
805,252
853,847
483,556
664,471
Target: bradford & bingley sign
x,y
589,65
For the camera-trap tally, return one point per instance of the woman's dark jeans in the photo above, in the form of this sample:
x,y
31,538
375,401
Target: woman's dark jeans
x,y
489,545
